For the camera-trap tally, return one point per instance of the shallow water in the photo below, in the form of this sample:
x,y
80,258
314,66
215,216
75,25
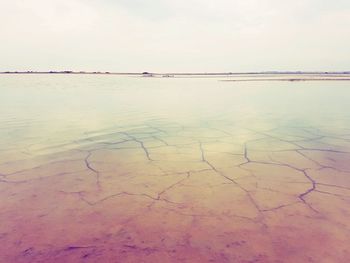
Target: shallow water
x,y
125,169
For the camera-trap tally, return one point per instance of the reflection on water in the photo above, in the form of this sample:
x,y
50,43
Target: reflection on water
x,y
125,169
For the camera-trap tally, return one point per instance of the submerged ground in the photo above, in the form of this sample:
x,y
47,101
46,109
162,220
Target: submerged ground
x,y
124,169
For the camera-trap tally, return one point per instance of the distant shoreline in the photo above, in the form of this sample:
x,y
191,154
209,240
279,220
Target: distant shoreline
x,y
227,77
170,74
289,79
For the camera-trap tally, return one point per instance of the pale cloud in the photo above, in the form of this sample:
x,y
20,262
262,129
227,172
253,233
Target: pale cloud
x,y
164,35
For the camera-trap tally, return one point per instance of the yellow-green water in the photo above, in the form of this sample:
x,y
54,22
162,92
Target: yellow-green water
x,y
127,169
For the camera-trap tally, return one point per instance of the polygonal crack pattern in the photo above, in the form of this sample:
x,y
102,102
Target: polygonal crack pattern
x,y
167,192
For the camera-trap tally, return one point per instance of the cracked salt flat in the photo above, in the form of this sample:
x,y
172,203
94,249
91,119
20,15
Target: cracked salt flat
x,y
174,170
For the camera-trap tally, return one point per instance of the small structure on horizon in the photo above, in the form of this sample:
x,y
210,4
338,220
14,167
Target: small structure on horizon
x,y
147,74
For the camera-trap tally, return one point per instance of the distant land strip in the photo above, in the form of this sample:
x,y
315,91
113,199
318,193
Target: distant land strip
x,y
289,79
184,74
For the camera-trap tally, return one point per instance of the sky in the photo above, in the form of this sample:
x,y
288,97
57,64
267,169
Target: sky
x,y
175,35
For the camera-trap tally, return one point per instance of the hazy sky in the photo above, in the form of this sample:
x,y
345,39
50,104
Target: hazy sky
x,y
174,35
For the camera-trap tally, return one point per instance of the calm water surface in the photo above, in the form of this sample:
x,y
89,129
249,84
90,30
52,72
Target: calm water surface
x,y
127,169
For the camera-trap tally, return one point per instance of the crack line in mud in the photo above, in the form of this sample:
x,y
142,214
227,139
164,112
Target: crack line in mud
x,y
228,178
97,173
141,144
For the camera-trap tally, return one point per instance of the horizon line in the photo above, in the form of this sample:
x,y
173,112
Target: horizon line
x,y
172,73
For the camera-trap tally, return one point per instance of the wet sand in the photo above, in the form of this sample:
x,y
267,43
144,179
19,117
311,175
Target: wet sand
x,y
236,182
